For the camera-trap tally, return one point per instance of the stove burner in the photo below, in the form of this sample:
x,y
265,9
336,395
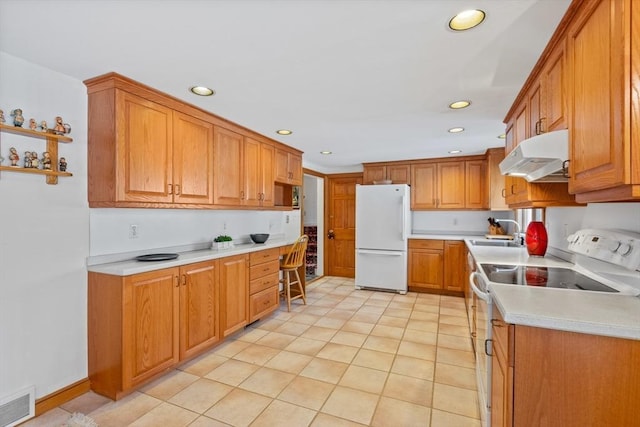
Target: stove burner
x,y
550,277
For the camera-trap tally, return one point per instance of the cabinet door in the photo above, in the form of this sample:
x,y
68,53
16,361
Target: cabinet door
x,y
150,324
535,119
599,153
424,184
476,185
282,166
399,174
425,268
234,288
199,297
374,173
496,187
555,91
228,167
144,156
252,172
267,156
192,160
454,266
295,168
451,181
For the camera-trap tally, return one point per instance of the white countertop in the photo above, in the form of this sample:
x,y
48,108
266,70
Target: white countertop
x,y
586,312
131,266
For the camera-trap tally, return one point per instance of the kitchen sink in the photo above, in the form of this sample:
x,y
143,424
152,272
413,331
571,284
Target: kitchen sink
x,y
495,243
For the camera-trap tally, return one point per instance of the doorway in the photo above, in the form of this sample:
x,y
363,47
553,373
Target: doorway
x,y
313,224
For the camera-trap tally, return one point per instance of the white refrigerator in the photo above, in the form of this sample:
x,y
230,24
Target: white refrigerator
x,y
383,225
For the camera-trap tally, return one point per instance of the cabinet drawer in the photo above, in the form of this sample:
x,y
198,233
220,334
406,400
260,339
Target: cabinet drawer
x,y
263,283
264,256
262,270
426,244
263,303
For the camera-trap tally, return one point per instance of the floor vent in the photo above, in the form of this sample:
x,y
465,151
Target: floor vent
x,y
18,407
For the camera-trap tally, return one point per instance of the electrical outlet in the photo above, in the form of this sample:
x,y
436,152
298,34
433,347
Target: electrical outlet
x,y
224,225
455,221
133,231
287,219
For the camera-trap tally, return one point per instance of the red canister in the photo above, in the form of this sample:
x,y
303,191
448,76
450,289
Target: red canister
x,y
536,238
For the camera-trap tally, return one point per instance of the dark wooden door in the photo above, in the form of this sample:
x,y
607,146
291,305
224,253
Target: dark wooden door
x,y
341,225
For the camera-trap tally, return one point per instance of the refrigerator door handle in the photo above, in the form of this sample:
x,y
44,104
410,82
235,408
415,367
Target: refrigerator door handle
x,y
403,224
385,253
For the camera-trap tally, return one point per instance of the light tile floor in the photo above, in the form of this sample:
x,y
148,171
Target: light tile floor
x,y
348,358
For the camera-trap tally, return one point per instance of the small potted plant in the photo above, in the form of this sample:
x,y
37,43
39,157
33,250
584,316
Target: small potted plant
x,y
222,242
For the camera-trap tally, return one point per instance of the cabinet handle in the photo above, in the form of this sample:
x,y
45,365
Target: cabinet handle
x,y
184,280
542,119
242,195
512,186
504,193
265,269
177,280
488,349
565,169
177,189
497,323
170,188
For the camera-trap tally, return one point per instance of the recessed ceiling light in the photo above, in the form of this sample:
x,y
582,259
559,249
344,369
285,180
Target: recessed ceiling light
x,y
326,153
503,136
455,151
202,90
284,132
459,104
456,130
466,20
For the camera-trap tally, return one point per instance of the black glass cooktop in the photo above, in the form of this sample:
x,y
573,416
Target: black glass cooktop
x,y
550,277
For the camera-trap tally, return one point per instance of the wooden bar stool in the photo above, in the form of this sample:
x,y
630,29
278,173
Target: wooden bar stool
x,y
290,264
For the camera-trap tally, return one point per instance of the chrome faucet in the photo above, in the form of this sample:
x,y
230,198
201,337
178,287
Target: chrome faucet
x,y
516,234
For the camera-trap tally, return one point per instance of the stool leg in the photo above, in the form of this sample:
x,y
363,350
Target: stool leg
x,y
287,284
299,282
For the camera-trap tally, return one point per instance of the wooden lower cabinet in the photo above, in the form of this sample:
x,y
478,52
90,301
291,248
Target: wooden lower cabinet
x,y
436,265
234,293
551,378
143,324
264,275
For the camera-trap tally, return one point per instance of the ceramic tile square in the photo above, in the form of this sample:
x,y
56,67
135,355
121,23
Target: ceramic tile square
x,y
376,303
398,312
417,350
266,381
454,320
358,327
316,311
382,296
85,403
289,362
306,346
461,331
400,305
422,325
306,392
232,372
330,322
456,376
425,316
169,384
230,348
365,379
252,334
124,411
257,354
349,338
276,340
325,370
371,309
269,324
201,395
340,314
338,352
458,400
165,414
455,342
447,419
239,408
354,405
409,298
319,333
373,359
421,337
392,412
398,322
204,364
365,317
413,367
387,331
425,307
409,389
387,345
292,328
455,312
305,319
282,413
456,357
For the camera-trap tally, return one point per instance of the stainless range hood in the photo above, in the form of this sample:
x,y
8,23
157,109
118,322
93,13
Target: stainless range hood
x,y
540,158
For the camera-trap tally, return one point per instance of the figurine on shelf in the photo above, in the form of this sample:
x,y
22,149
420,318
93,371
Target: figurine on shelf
x,y
18,120
59,127
2,120
33,124
43,126
46,161
63,165
34,160
13,156
27,159
67,128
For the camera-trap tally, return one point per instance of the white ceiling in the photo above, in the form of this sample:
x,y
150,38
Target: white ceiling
x,y
370,80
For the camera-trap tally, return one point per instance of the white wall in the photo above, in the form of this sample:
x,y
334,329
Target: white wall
x,y
44,239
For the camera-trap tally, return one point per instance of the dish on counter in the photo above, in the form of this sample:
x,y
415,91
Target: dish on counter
x,y
156,257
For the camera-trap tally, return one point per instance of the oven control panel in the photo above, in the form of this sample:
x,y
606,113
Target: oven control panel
x,y
617,247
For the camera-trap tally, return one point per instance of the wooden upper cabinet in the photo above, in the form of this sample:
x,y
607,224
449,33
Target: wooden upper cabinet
x,y
192,160
496,181
535,110
424,191
451,185
228,167
555,90
475,193
258,173
398,174
288,167
605,101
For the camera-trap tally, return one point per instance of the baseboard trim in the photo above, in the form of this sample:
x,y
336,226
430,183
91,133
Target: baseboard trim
x,y
57,398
